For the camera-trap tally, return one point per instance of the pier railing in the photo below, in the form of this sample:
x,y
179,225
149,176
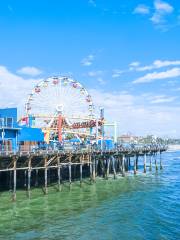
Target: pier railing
x,y
88,149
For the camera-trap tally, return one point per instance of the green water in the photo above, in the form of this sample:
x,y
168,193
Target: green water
x,y
146,206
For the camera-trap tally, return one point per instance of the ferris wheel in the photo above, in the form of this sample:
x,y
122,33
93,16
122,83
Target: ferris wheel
x,y
59,96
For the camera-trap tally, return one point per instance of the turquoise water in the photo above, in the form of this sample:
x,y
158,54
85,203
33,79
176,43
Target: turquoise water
x,y
135,207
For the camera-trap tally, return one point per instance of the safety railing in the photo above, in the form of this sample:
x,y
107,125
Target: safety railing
x,y
29,149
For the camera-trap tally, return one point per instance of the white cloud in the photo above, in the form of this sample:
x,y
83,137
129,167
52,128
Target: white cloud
x,y
98,74
134,64
176,89
134,116
160,64
162,9
95,73
111,100
10,8
150,77
141,9
162,99
92,2
156,65
117,73
14,89
101,81
87,61
160,14
31,71
163,6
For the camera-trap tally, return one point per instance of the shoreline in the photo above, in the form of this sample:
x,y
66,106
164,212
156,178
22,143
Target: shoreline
x,y
173,147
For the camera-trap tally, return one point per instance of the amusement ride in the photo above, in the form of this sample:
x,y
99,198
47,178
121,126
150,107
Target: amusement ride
x,y
63,109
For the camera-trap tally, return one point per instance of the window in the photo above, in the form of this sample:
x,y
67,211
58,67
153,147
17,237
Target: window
x,y
1,122
9,122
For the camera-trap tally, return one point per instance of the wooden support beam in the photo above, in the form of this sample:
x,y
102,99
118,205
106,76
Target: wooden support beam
x,y
59,173
45,175
90,168
108,162
150,162
36,177
96,166
10,180
137,158
114,166
129,162
25,178
161,167
123,165
135,169
29,177
145,163
81,171
155,161
14,179
94,169
120,164
117,165
70,180
103,166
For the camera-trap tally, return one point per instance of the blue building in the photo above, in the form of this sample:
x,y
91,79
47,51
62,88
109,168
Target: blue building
x,y
30,138
13,136
9,129
108,144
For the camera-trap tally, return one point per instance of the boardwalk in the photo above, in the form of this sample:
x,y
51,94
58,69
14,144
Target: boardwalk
x,y
40,168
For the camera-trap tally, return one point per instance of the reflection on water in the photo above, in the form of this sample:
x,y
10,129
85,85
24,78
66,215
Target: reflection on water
x,y
135,207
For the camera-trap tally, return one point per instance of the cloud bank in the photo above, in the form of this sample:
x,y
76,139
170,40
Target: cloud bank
x,y
139,114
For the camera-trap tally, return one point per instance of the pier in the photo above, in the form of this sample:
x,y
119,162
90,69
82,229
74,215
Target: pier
x,y
64,140
24,169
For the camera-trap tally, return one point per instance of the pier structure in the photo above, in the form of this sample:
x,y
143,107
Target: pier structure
x,y
24,170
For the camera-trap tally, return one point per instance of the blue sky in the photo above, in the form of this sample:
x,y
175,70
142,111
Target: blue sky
x,y
125,52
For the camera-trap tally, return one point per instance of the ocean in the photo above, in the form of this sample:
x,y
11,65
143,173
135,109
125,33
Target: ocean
x,y
145,206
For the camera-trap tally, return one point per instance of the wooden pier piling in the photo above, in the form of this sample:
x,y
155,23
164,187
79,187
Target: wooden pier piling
x,y
156,166
70,179
135,170
137,159
123,166
107,168
29,178
150,162
160,156
45,176
145,163
81,170
94,169
36,178
114,167
10,180
25,178
59,173
14,182
90,171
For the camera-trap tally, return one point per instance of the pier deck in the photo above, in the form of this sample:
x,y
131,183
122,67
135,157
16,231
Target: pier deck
x,y
39,168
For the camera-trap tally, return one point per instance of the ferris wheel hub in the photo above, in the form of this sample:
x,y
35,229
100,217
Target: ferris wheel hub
x,y
59,108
